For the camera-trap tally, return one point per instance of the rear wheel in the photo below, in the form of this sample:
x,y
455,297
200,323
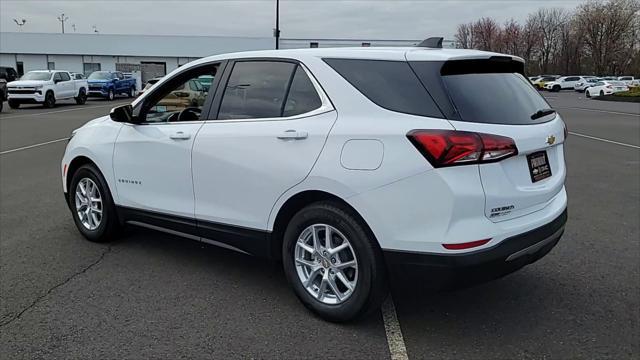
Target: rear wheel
x,y
82,97
334,265
555,88
601,93
14,104
132,92
92,206
49,100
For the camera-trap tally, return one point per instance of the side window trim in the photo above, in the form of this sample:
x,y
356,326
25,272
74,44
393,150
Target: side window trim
x,y
326,106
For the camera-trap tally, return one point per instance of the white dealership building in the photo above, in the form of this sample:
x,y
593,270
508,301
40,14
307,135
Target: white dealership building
x,y
85,53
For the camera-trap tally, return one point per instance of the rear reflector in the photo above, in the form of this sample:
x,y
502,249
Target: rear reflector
x,y
450,147
467,245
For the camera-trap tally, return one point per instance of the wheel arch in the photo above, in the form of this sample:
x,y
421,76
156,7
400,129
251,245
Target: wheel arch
x,y
298,201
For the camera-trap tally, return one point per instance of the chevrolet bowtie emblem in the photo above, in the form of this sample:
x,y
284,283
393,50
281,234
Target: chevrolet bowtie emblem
x,y
551,139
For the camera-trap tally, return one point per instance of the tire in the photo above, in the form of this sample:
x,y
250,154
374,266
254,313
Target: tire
x,y
82,97
14,104
601,93
111,95
49,100
108,225
587,93
368,276
555,88
132,92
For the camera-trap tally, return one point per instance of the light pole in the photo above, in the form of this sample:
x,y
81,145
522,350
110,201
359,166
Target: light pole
x,y
62,19
276,31
20,23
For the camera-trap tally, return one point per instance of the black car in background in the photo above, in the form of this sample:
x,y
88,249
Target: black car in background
x,y
9,73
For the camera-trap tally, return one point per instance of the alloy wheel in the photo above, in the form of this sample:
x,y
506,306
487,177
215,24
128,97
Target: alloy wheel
x,y
88,204
326,264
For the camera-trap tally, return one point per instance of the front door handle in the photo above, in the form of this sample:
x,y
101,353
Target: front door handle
x,y
180,135
293,135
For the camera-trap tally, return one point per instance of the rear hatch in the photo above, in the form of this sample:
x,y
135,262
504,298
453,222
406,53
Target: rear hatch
x,y
492,96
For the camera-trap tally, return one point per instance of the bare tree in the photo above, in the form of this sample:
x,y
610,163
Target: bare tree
x,y
549,23
464,36
486,34
512,38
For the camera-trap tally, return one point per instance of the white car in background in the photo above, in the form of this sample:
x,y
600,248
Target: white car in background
x,y
582,85
46,87
563,83
608,87
628,80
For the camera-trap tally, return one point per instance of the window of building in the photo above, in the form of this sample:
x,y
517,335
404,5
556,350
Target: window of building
x,y
313,44
88,68
51,65
20,68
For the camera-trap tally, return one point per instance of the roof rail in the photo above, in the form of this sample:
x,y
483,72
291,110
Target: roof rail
x,y
432,42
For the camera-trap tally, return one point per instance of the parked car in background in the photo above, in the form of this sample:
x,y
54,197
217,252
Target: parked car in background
x,y
108,84
628,80
77,76
10,74
563,83
149,84
607,87
3,91
206,81
46,87
541,81
582,85
635,83
190,94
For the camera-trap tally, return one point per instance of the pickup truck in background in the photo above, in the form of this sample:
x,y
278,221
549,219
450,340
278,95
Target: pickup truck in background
x,y
46,87
108,84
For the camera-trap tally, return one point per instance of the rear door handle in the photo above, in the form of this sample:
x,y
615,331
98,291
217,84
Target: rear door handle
x,y
180,135
293,135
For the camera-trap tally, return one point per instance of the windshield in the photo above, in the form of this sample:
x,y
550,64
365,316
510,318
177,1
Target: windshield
x,y
505,98
100,75
36,75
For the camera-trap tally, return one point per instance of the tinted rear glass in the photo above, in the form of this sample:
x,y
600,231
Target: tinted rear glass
x,y
495,98
389,84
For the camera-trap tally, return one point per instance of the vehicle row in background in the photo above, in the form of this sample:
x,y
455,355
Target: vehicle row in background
x,y
108,84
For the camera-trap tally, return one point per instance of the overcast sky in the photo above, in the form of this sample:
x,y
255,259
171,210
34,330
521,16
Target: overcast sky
x,y
372,19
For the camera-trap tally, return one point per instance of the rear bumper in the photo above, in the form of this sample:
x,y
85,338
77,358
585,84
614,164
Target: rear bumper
x,y
461,269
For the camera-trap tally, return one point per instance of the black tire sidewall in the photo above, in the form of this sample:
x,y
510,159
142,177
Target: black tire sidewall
x,y
14,104
371,271
109,223
49,100
111,95
82,97
131,92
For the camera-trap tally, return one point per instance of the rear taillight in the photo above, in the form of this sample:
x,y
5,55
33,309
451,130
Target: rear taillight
x,y
450,147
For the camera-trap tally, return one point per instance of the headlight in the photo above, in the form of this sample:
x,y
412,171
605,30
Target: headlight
x,y
38,87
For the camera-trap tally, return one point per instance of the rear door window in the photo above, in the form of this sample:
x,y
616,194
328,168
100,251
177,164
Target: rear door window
x,y
389,84
302,97
256,89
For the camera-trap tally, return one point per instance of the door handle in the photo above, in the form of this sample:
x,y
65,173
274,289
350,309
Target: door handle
x,y
293,135
179,135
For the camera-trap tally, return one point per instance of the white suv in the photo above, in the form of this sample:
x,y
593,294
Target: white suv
x,y
336,162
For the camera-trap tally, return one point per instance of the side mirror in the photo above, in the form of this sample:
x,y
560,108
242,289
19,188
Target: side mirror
x,y
123,114
114,80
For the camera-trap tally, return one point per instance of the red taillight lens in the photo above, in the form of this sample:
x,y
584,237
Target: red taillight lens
x,y
450,147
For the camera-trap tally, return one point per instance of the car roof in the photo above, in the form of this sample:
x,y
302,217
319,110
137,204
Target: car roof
x,y
372,53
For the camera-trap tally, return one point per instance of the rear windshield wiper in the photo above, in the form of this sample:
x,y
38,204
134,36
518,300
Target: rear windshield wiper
x,y
543,112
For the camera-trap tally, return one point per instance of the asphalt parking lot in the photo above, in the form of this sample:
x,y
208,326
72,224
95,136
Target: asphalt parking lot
x,y
150,295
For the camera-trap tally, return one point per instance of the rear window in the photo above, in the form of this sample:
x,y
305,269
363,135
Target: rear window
x,y
389,84
495,98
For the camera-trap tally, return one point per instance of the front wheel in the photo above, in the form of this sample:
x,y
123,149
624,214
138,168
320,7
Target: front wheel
x,y
49,100
587,93
92,206
556,88
132,92
333,263
111,95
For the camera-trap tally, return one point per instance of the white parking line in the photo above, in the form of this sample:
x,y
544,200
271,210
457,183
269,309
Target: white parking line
x,y
602,111
33,146
60,111
604,140
395,340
